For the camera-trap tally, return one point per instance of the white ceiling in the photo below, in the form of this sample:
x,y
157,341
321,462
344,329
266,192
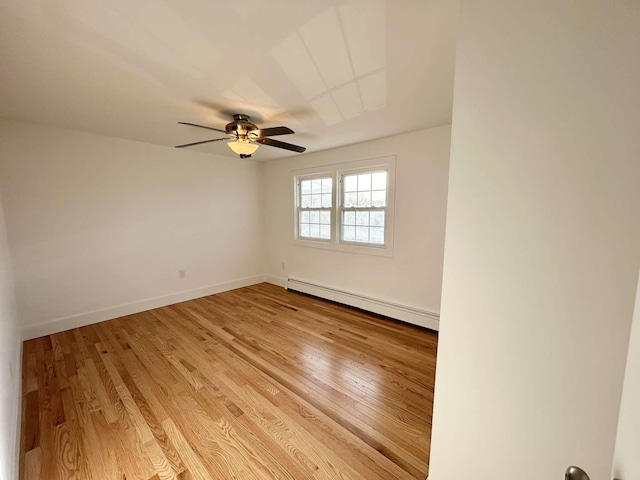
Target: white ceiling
x,y
336,71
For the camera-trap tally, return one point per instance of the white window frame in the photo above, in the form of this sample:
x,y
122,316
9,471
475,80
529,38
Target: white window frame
x,y
356,171
298,206
337,171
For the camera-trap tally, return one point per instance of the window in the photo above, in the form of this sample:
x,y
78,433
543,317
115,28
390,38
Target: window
x,y
315,208
362,209
346,207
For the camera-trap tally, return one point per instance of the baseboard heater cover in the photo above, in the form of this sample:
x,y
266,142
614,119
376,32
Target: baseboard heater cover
x,y
404,313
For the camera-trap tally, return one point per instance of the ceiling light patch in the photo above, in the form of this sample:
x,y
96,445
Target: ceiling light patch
x,y
233,96
373,90
108,23
248,90
327,109
295,61
348,100
324,38
200,53
32,12
364,23
156,19
248,8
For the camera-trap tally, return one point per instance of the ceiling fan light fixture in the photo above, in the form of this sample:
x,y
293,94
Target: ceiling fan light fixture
x,y
242,146
247,136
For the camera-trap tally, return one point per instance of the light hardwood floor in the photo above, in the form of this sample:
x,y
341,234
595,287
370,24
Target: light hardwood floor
x,y
249,384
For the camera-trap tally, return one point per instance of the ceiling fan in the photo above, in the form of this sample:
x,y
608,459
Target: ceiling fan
x,y
245,137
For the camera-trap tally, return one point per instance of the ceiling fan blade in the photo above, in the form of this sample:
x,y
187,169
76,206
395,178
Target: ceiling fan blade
x,y
271,132
202,126
279,144
204,141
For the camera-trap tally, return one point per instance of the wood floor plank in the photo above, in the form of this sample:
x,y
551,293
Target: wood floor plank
x,y
144,393
80,468
254,383
33,464
67,453
195,468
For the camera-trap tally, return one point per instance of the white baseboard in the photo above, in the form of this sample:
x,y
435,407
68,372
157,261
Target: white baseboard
x,y
415,316
279,281
95,316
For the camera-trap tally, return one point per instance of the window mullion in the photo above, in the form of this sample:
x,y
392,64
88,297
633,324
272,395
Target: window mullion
x,y
355,209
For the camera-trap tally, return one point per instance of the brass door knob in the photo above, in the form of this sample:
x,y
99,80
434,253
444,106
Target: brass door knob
x,y
575,473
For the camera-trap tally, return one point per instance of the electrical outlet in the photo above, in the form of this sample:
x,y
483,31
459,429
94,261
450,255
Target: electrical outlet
x,y
182,273
283,265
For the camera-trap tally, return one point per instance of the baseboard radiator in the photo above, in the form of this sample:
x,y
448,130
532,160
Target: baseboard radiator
x,y
404,313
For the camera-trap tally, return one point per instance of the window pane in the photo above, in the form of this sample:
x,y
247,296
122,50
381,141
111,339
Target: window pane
x,y
362,218
315,193
377,235
349,218
364,182
350,183
379,181
377,219
325,232
349,234
350,199
364,199
379,199
362,234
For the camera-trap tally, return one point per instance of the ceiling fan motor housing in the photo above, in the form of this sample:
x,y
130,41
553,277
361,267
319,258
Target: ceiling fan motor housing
x,y
241,125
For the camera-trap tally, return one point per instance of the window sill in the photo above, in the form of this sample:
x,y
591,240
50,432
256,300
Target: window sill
x,y
381,251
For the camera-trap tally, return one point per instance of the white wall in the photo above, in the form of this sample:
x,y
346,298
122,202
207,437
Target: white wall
x,y
626,461
413,276
9,362
97,222
543,241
